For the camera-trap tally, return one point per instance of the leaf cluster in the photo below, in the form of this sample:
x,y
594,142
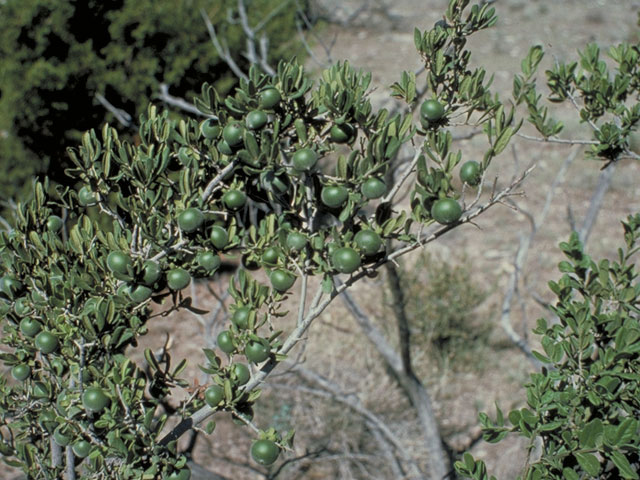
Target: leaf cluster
x,y
584,404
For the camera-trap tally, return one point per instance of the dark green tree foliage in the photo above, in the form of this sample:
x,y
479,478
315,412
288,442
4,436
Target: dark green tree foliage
x,y
584,405
54,58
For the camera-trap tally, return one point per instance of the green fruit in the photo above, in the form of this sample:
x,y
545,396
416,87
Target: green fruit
x,y
281,280
241,372
118,262
241,317
225,342
209,261
446,211
151,273
256,352
269,98
30,327
60,438
256,120
219,237
334,196
190,220
346,260
373,188
368,241
213,395
182,474
81,448
21,372
265,452
178,278
470,173
140,293
296,241
54,223
95,400
209,128
432,110
234,199
304,159
270,256
232,134
46,342
22,306
342,133
87,198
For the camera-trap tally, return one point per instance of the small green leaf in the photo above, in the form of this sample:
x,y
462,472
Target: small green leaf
x,y
588,462
210,427
623,465
569,474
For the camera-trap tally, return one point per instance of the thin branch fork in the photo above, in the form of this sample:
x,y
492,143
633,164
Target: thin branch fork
x,y
121,115
180,103
252,54
332,391
222,51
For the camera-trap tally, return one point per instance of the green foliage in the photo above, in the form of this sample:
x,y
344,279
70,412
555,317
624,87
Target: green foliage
x,y
584,404
441,299
253,189
54,59
603,96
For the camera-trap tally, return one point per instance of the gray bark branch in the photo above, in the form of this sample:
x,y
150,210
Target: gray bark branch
x,y
438,463
604,181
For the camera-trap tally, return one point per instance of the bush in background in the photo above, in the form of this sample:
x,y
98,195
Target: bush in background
x,y
54,59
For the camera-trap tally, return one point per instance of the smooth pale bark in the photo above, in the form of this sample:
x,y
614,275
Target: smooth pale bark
x,y
438,465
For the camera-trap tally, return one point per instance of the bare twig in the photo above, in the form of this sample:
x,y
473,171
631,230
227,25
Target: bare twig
x,y
180,103
558,140
252,54
332,391
216,180
56,453
604,181
413,388
520,258
394,461
121,115
224,52
70,459
392,193
326,47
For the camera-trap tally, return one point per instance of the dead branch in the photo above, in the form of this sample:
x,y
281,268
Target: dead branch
x,y
604,181
121,115
520,258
